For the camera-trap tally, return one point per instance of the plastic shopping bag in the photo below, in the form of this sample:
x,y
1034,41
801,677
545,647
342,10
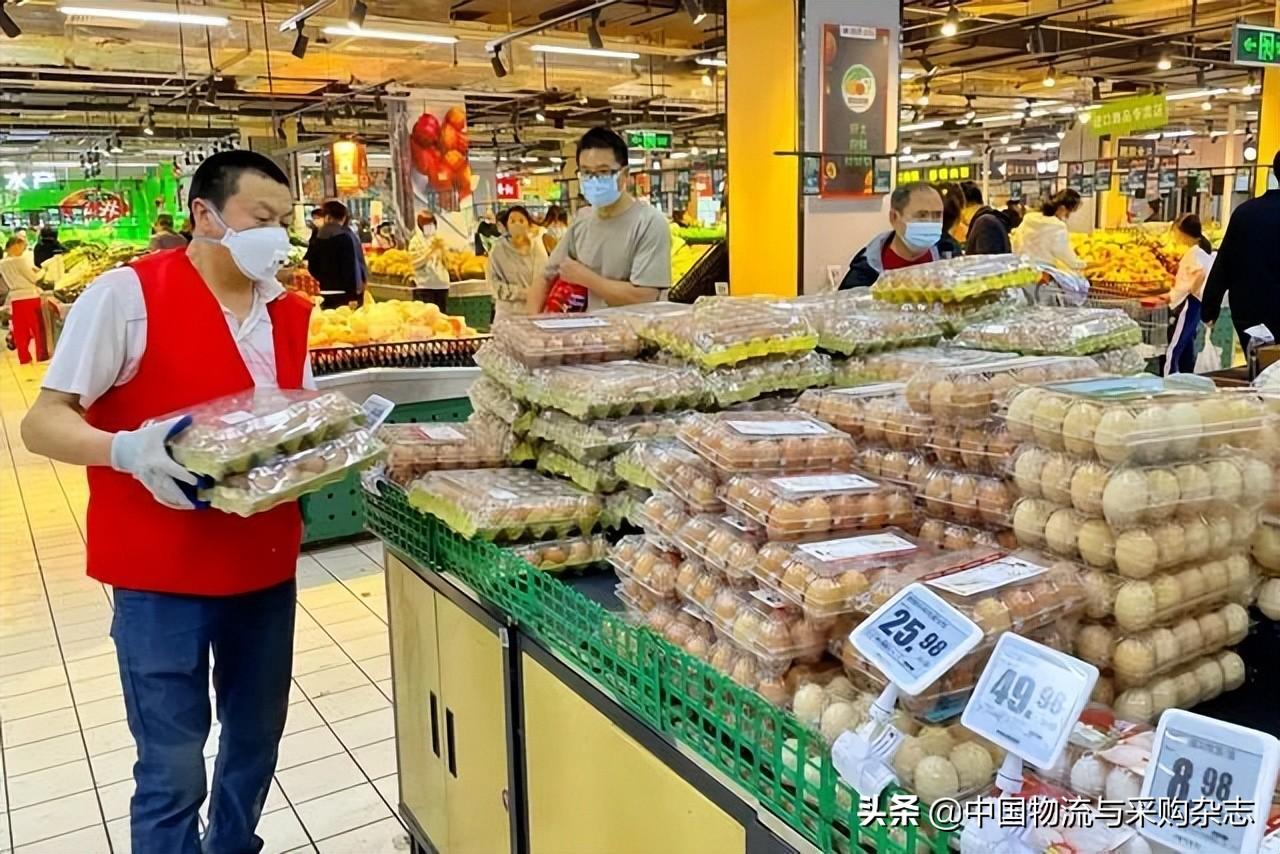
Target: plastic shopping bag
x,y
1209,358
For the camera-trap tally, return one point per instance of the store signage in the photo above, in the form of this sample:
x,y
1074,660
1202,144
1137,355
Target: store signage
x,y
1102,176
1075,177
17,182
1028,699
508,188
1127,115
1213,782
649,140
1134,153
1168,174
854,109
1015,169
1254,45
943,172
350,166
102,205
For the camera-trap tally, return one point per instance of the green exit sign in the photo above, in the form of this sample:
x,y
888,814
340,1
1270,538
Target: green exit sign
x,y
1253,45
649,140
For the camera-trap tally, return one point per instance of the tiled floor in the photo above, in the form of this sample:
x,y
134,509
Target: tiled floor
x,y
65,752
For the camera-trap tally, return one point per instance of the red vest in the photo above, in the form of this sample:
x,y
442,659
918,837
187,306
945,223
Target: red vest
x,y
191,357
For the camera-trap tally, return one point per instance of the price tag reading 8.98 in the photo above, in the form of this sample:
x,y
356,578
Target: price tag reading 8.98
x,y
1220,773
914,638
1029,698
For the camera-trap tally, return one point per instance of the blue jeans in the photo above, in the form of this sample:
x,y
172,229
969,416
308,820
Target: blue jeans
x,y
163,643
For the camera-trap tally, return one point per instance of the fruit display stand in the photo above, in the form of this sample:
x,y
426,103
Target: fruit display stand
x,y
511,683
472,300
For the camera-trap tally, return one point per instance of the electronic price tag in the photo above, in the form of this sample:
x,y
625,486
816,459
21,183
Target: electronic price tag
x,y
1222,775
915,637
1029,698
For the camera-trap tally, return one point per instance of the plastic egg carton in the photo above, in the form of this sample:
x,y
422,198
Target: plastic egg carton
x,y
631,466
615,389
1110,768
1139,419
953,536
647,563
955,279
974,393
289,477
620,506
505,504
1134,552
718,331
673,468
827,579
595,440
598,476
977,448
499,365
953,317
237,432
661,516
874,414
901,468
970,499
488,395
556,339
734,384
763,625
1265,546
725,542
644,609
852,333
901,365
794,506
1129,495
1041,330
946,762
1135,605
699,585
415,449
689,631
1135,658
564,555
767,441
1187,686
1121,362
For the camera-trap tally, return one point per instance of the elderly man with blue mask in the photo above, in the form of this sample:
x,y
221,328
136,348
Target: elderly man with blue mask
x,y
915,214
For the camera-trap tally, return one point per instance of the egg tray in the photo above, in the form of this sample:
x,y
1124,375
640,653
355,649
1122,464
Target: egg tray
x,y
646,563
629,465
1264,546
717,331
434,353
901,365
969,499
661,516
674,468
1041,330
505,504
556,339
868,331
1136,551
749,380
616,389
687,630
929,764
952,536
619,507
290,476
1130,495
983,449
726,543
1142,420
565,555
805,505
589,441
955,279
739,616
598,476
874,414
506,370
1188,686
1109,769
488,395
976,392
1121,362
767,442
240,431
901,468
1136,658
953,317
1135,605
415,449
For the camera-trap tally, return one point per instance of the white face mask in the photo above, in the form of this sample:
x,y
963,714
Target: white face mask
x,y
557,230
428,230
258,253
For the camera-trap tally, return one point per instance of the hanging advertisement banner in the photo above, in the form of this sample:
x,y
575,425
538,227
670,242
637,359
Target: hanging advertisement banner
x,y
429,153
350,167
854,108
1134,153
1129,115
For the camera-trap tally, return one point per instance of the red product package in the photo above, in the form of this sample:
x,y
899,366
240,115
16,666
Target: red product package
x,y
565,297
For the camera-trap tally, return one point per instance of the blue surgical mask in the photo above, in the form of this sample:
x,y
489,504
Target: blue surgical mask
x,y
922,235
600,190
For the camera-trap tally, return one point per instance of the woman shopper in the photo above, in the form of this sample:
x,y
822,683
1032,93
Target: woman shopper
x,y
426,253
1043,237
515,262
554,224
25,300
1188,291
47,246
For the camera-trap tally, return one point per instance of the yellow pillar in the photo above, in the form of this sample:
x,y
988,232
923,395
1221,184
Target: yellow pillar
x,y
1268,124
763,113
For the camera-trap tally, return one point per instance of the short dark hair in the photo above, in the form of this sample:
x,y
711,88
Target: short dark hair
x,y
972,193
554,214
516,209
218,177
952,203
902,194
603,137
1069,199
166,221
48,233
334,209
315,212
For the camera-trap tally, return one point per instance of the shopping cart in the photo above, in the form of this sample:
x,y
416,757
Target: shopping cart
x,y
1151,313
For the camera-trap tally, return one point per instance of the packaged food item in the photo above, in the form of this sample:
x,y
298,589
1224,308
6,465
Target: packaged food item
x,y
1187,686
746,381
690,632
630,466
415,449
645,609
868,331
955,279
970,499
983,448
953,317
902,468
717,331
662,515
1138,419
564,555
1135,605
615,389
1135,658
1124,362
953,536
874,414
1265,545
765,625
239,431
1041,330
672,467
290,476
589,441
946,762
593,476
974,393
723,542
503,368
488,395
648,564
556,339
505,504
901,365
767,441
801,505
619,507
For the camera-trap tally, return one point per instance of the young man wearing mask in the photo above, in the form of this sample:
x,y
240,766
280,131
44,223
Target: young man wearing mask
x,y
191,586
619,249
915,214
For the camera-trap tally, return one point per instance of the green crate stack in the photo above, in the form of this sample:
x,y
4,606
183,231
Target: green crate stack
x,y
477,311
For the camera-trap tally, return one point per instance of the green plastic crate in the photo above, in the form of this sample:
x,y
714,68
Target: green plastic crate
x,y
477,311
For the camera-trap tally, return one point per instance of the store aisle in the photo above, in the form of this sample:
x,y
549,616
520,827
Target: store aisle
x,y
65,751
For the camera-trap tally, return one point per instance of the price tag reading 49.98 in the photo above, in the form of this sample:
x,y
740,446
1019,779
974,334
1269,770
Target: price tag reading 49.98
x,y
914,638
1215,770
1029,698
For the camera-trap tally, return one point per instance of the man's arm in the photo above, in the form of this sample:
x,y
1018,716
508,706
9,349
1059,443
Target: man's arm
x,y
612,291
1215,289
54,427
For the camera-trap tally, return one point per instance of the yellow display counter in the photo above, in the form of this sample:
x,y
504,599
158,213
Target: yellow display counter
x,y
505,747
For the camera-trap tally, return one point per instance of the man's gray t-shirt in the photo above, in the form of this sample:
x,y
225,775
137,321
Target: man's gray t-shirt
x,y
634,247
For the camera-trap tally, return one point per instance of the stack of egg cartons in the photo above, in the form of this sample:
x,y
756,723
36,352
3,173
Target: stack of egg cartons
x,y
1154,490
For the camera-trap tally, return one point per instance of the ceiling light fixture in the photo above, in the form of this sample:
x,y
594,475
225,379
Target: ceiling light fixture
x,y
706,79
1050,78
953,144
584,51
582,97
1192,94
149,125
1061,134
540,116
1206,104
390,35
1165,62
695,10
593,32
951,23
1096,90
7,24
300,42
357,14
1004,139
906,149
499,70
713,61
969,112
1084,117
146,16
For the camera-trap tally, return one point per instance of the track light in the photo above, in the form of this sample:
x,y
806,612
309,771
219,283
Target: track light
x,y
1084,117
593,32
582,97
1061,134
1207,104
499,70
149,126
1097,90
923,100
695,11
1250,149
953,144
300,42
906,150
1165,62
540,116
357,14
969,111
951,23
706,78
1050,78
1251,88
8,25
1004,139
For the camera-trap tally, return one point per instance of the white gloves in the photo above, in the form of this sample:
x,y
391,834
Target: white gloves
x,y
143,453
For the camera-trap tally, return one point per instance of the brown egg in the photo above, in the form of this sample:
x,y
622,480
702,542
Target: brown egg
x,y
946,445
705,590
772,559
899,510
957,537
854,584
973,449
877,511
772,635
937,495
964,498
992,616
1021,603
817,514
995,501
796,579
824,595
786,518
940,399
933,531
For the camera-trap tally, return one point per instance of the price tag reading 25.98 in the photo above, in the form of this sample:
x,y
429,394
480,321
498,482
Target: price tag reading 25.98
x,y
914,638
1029,698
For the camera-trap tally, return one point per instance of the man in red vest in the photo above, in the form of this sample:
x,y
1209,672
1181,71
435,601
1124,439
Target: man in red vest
x,y
175,329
